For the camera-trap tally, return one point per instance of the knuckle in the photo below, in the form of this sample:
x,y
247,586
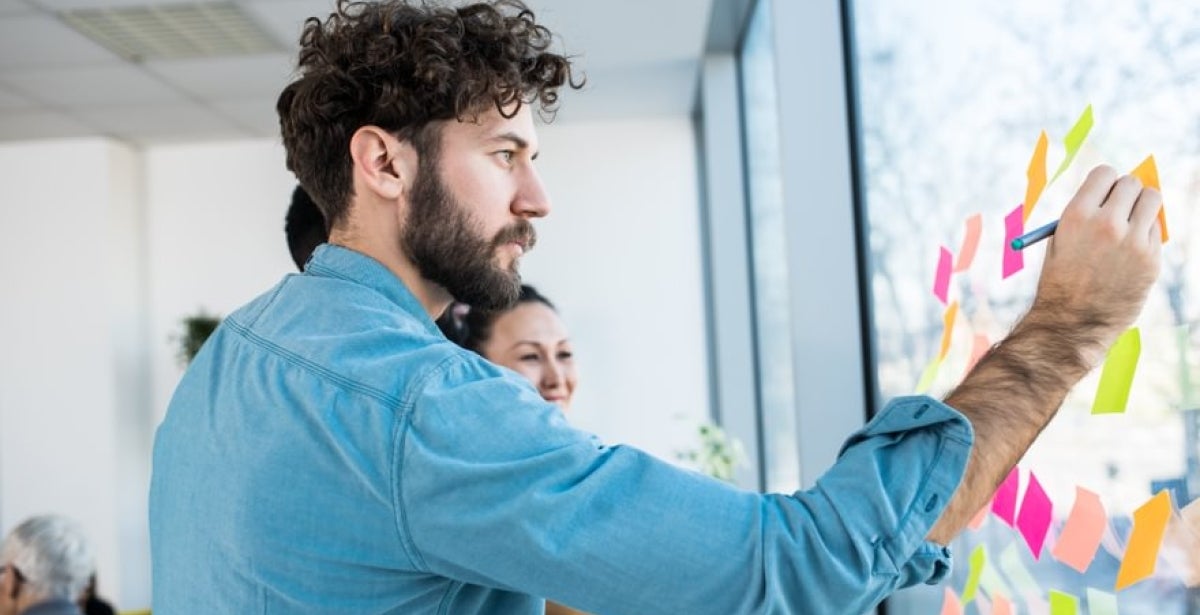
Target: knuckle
x,y
1104,172
1152,196
1130,182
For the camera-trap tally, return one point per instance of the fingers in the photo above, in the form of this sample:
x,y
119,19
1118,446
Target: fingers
x,y
1144,219
1119,205
1091,195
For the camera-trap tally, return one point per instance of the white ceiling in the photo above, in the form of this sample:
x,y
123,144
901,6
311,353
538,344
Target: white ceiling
x,y
641,58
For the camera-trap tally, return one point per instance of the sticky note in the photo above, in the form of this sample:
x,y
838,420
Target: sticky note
x,y
1081,534
1101,603
1062,603
947,329
941,283
978,562
1004,503
1036,174
1149,525
1117,377
979,347
950,604
1147,172
980,517
1011,565
1074,140
970,244
928,376
1014,226
1001,606
1034,519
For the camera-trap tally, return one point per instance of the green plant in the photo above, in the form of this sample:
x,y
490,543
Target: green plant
x,y
195,330
718,454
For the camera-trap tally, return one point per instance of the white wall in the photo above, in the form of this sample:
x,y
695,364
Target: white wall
x,y
108,248
71,361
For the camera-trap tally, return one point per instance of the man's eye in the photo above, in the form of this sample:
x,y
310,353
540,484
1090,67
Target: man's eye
x,y
528,357
506,155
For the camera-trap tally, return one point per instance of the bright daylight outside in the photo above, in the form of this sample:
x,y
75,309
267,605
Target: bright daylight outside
x,y
954,97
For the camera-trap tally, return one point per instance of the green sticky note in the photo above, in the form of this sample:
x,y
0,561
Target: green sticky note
x,y
1062,603
1074,140
1012,566
1101,603
1113,393
978,561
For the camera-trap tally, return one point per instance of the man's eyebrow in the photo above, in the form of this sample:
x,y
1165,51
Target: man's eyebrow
x,y
520,142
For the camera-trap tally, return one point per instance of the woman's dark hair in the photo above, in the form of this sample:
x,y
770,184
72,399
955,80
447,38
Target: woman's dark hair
x,y
400,66
471,328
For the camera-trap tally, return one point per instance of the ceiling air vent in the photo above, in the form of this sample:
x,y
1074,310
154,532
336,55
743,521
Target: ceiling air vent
x,y
173,31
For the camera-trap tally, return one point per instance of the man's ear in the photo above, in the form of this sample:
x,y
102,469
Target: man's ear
x,y
384,164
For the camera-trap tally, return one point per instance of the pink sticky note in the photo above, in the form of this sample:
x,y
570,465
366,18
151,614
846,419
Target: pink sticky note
x,y
1014,226
1004,503
941,284
1034,519
979,347
970,243
1081,534
951,605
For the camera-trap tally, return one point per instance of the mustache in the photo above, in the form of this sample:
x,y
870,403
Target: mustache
x,y
521,232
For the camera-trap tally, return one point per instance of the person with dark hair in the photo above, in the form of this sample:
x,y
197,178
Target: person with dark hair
x,y
332,452
304,227
529,338
90,603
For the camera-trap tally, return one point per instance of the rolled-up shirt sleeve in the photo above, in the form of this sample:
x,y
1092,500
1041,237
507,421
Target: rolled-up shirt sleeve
x,y
493,488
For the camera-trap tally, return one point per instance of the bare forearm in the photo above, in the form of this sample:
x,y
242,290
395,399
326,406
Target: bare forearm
x,y
1009,398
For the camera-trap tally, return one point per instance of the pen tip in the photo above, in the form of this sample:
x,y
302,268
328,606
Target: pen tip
x,y
1017,244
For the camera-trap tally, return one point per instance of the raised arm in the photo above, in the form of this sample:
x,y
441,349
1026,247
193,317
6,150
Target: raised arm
x,y
1098,270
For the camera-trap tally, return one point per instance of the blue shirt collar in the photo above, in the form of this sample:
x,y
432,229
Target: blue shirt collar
x,y
334,261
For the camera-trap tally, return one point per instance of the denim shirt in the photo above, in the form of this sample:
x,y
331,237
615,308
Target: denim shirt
x,y
329,451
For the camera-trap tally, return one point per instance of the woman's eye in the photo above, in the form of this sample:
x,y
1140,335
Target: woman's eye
x,y
528,357
565,354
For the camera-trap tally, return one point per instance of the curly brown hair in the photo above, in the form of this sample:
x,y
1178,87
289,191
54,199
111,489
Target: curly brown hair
x,y
401,66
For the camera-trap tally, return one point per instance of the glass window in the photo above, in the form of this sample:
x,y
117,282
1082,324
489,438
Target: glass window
x,y
768,253
953,95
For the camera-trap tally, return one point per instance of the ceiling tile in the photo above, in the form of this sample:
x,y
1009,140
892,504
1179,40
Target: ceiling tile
x,y
39,41
67,5
15,7
227,77
98,85
285,18
22,125
150,122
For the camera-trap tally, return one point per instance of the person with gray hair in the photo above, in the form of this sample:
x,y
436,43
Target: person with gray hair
x,y
44,566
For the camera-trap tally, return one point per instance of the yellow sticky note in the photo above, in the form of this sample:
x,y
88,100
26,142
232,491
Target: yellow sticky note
x,y
928,376
1074,140
1062,603
1119,368
1036,174
1147,173
978,561
1149,526
947,329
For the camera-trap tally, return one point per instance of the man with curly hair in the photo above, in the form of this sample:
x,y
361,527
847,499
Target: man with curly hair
x,y
329,451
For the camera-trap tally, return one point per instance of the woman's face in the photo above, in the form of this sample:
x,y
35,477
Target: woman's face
x,y
531,340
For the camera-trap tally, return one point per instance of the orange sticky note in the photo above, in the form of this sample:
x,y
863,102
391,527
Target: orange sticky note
x,y
951,605
1077,544
948,329
980,517
1036,174
1001,606
970,243
1149,525
1147,172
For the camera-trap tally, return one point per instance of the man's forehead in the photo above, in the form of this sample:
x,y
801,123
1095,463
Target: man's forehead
x,y
492,126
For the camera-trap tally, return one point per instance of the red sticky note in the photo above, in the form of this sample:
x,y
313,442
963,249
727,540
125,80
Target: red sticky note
x,y
970,243
1034,519
1082,532
1014,226
1004,503
941,284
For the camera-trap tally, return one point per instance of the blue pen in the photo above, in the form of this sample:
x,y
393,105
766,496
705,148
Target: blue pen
x,y
1034,236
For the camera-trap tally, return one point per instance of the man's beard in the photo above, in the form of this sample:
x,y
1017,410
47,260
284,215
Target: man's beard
x,y
439,238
